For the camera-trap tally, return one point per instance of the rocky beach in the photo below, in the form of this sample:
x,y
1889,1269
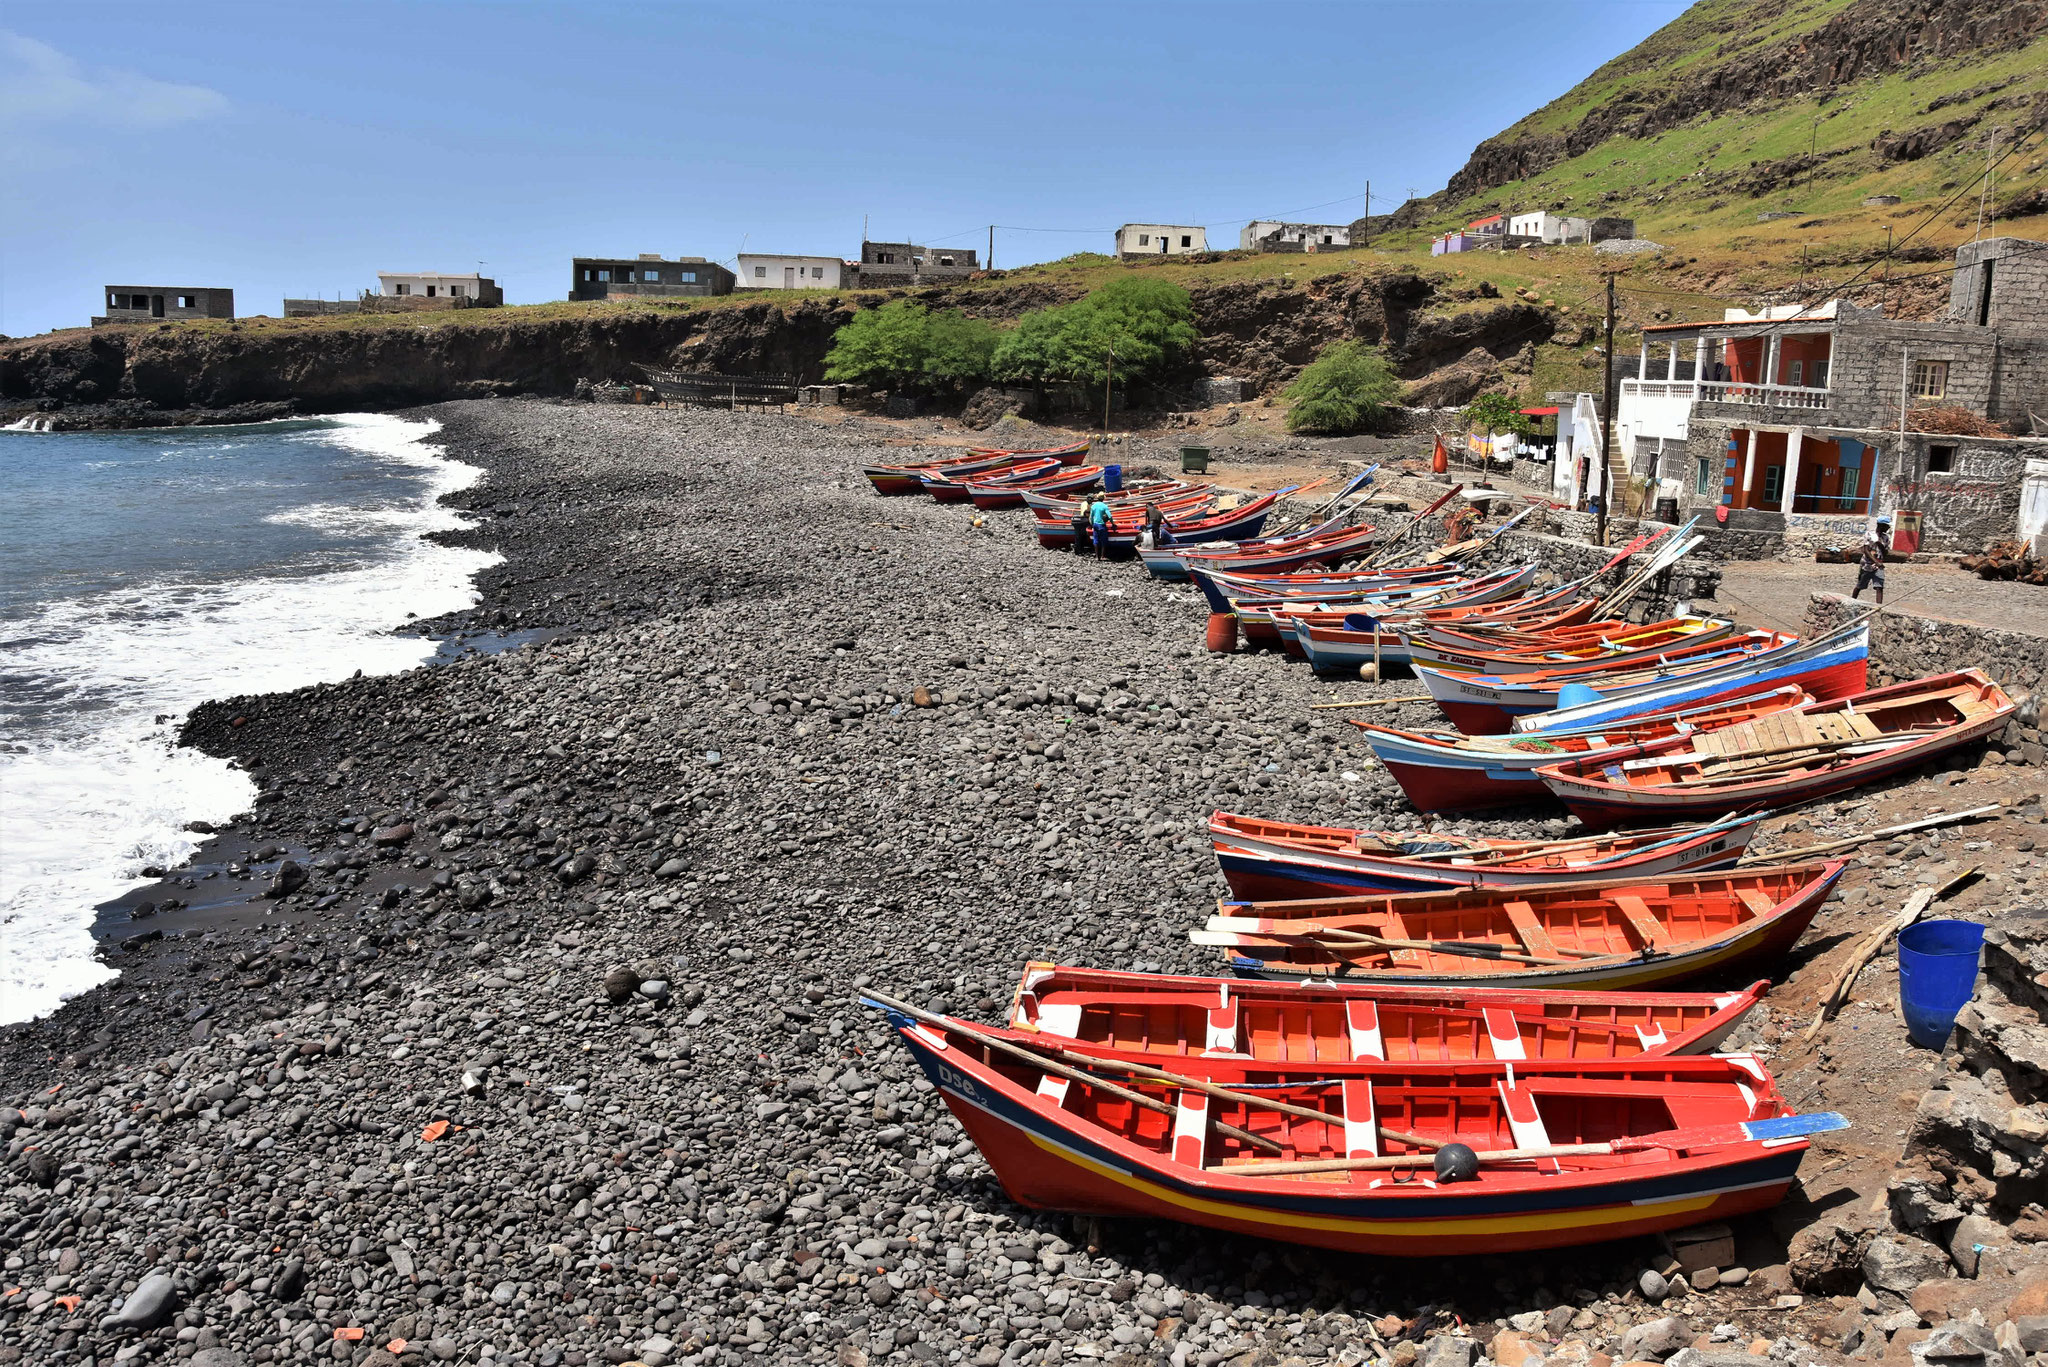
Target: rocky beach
x,y
517,1022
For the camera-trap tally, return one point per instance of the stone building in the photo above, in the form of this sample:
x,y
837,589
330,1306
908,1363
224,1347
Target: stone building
x,y
1268,235
906,263
1791,418
145,303
646,276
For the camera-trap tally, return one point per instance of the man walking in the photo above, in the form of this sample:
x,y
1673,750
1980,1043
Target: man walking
x,y
1870,561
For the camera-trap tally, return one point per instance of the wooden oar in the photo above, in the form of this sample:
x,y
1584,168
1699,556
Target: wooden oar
x,y
1044,1064
1326,936
1222,1093
1847,841
1698,1137
1369,702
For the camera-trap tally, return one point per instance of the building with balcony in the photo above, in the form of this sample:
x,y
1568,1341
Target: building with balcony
x,y
1805,417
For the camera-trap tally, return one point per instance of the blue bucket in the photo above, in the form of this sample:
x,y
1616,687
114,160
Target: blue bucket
x,y
1937,974
1113,478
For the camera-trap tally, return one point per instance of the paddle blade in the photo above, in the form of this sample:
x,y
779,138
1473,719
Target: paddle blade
x,y
1793,1126
1778,1129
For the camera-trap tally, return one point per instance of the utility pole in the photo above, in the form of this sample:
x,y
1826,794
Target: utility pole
x,y
989,262
1606,422
1108,368
1888,268
1368,214
1985,194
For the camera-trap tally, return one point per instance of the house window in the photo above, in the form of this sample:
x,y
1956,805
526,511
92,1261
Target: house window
x,y
885,258
689,277
1941,460
1328,240
945,261
430,291
404,288
1796,375
1185,240
1820,374
817,272
1702,477
604,274
1774,483
1930,379
455,291
1144,239
188,301
760,272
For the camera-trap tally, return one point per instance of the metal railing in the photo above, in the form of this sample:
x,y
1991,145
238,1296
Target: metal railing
x,y
1730,391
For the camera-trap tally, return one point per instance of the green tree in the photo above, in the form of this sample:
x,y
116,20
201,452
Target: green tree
x,y
1346,389
1148,325
1495,412
906,346
1032,350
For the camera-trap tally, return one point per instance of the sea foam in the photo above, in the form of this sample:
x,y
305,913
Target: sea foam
x,y
86,803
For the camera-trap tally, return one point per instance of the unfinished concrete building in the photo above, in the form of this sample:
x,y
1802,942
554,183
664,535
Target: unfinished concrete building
x,y
1807,423
149,303
906,263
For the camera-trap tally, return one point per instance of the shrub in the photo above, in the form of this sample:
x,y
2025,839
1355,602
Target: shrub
x,y
906,346
1149,325
1346,389
1491,413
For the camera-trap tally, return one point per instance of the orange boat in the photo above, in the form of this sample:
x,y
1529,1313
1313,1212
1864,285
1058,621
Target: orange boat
x,y
1337,1022
1588,934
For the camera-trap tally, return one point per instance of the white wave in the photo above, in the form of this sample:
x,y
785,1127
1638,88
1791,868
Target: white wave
x,y
83,810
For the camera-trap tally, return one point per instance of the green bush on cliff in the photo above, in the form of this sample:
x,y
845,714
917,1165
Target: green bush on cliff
x,y
1144,327
905,346
1346,389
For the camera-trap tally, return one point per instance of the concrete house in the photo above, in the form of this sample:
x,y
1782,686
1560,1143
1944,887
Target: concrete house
x,y
1544,226
767,271
144,303
1480,233
906,263
645,276
1268,235
1790,419
1160,239
480,290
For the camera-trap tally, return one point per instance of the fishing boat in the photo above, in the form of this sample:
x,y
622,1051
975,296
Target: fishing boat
x,y
1787,757
1488,704
1338,1023
1220,586
909,478
1595,933
1351,634
947,488
1830,666
1563,1152
1067,453
992,494
1325,545
1449,771
1614,644
1242,520
1272,860
1134,497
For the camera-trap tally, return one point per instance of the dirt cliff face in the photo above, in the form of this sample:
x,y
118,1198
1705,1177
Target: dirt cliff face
x,y
131,376
1870,38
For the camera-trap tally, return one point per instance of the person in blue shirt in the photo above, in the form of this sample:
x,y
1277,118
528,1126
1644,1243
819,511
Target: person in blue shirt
x,y
1098,523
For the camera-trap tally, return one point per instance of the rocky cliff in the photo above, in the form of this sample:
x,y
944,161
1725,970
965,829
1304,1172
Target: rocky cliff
x,y
133,376
1738,54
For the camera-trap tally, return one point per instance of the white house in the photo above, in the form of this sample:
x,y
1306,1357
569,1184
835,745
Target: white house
x,y
1311,237
439,285
761,271
1550,227
1578,470
1160,239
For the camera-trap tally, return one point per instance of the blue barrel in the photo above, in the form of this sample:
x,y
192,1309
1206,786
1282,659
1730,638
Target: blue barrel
x,y
1113,478
1937,974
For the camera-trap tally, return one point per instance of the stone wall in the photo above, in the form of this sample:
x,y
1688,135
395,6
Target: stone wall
x,y
1903,646
2019,285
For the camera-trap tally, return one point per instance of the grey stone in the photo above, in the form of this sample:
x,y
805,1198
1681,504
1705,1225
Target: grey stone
x,y
152,1302
443,1347
2033,1333
1448,1350
216,1357
1898,1263
1959,1339
1657,1339
1972,1235
1653,1285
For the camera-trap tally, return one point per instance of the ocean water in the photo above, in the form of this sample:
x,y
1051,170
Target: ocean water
x,y
144,572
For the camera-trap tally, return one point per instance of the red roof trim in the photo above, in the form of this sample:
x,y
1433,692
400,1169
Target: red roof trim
x,y
1538,412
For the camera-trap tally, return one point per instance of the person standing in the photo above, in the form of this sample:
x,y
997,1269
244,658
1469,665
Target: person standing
x,y
1081,528
1870,561
1098,524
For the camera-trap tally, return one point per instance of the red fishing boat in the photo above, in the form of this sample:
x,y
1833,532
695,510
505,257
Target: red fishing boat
x,y
1449,771
1162,1014
1010,493
1274,860
1785,758
1067,453
948,488
1553,1153
1598,933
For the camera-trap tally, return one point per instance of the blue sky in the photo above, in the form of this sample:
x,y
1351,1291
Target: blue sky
x,y
299,148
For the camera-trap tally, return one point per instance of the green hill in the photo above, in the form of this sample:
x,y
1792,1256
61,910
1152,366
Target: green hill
x,y
1802,108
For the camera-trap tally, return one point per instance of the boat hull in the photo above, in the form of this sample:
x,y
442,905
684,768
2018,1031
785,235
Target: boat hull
x,y
1047,1165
